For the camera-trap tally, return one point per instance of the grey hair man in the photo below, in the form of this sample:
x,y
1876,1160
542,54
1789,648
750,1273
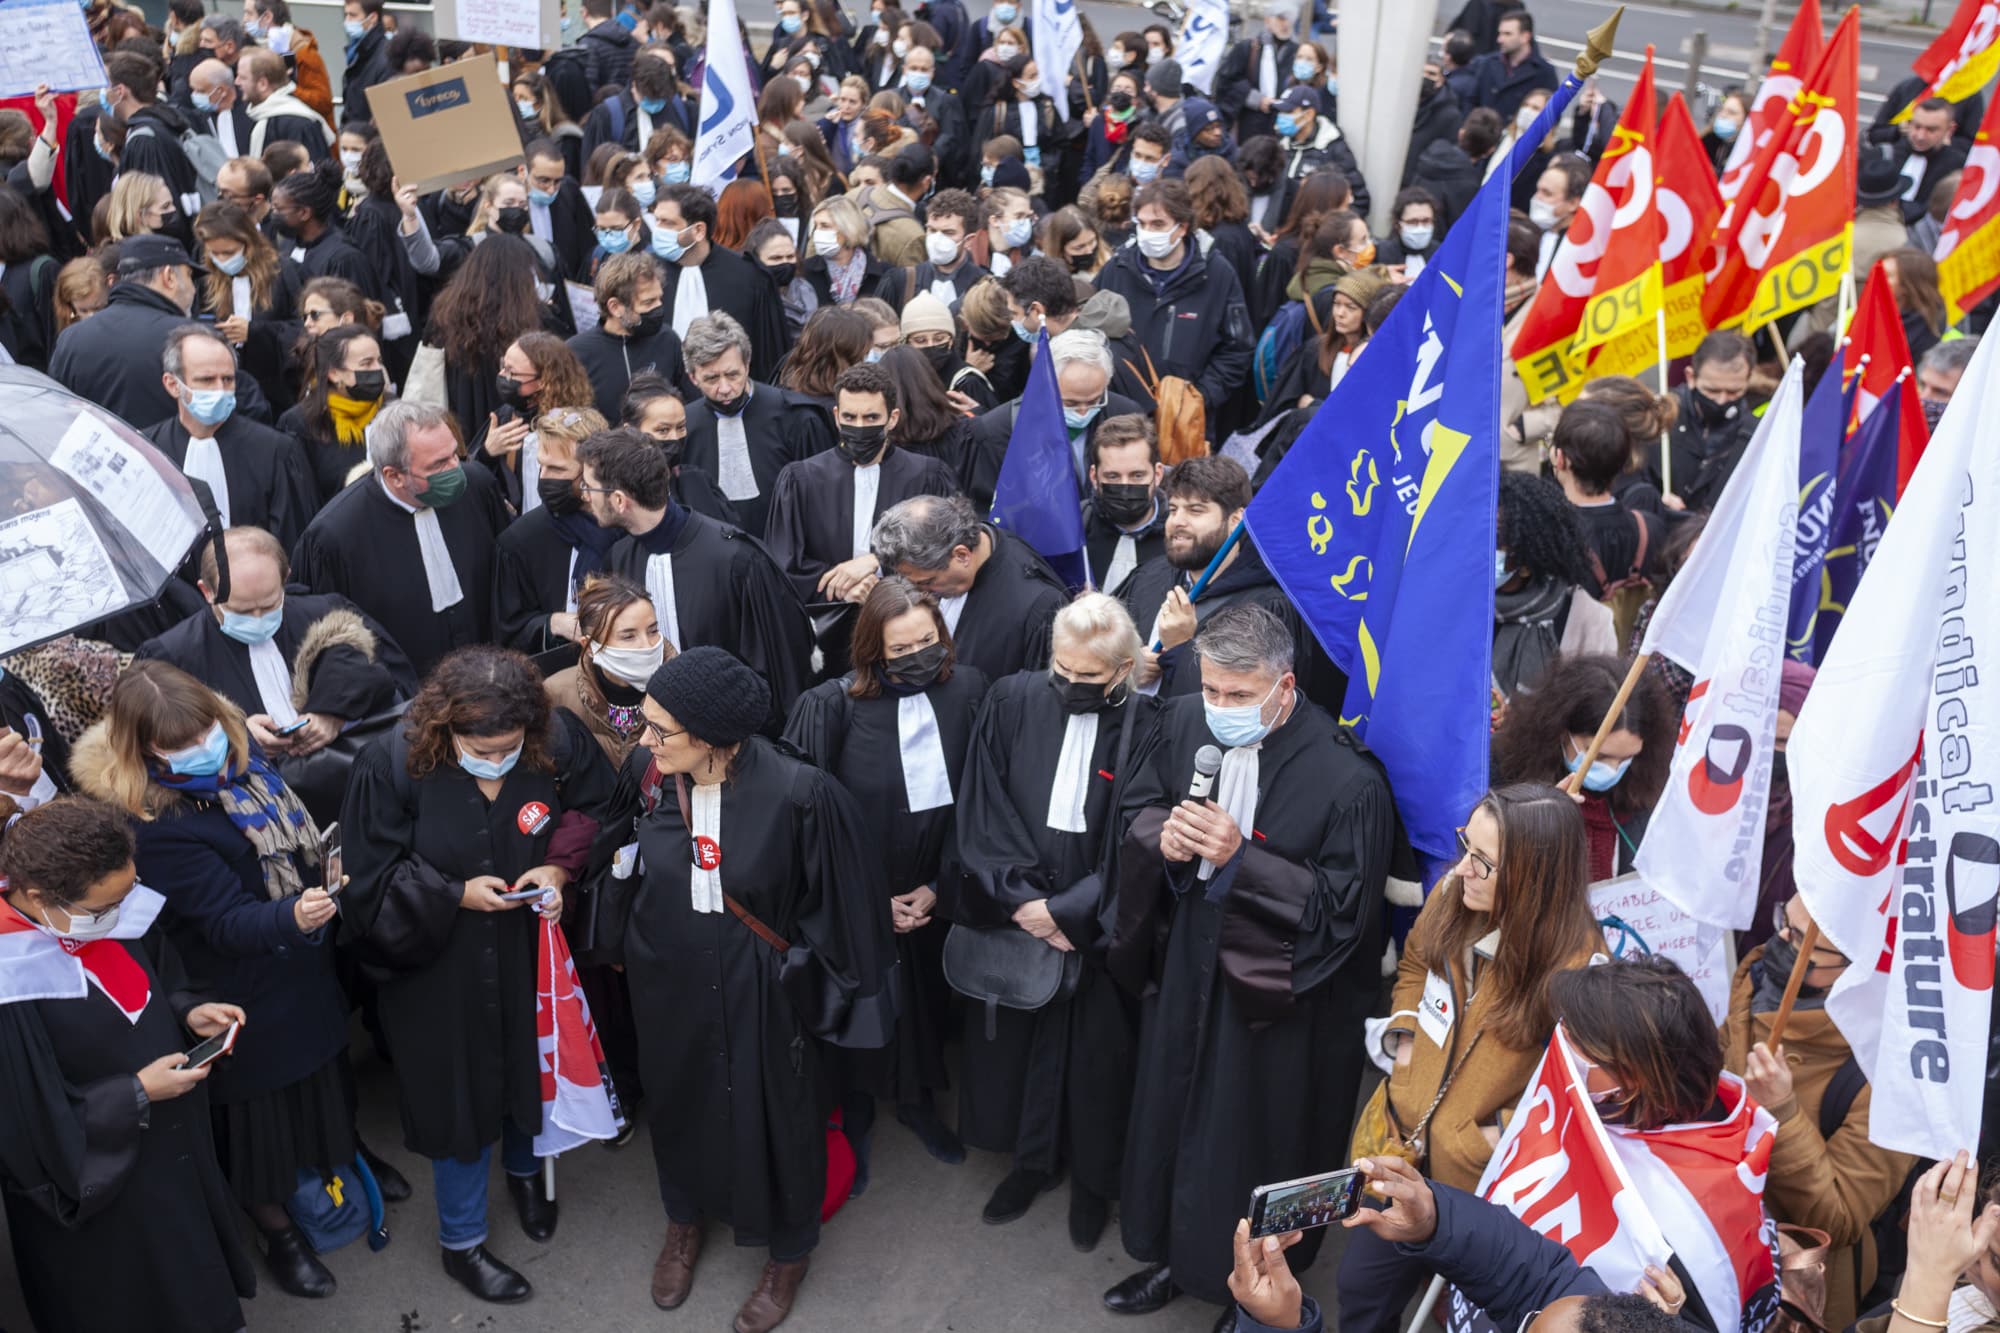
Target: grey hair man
x,y
999,597
419,507
743,433
1938,375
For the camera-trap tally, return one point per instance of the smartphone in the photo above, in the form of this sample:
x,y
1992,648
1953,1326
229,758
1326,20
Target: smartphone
x,y
220,1044
294,725
529,894
329,860
1310,1201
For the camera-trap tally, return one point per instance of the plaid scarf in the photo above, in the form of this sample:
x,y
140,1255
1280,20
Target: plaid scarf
x,y
265,811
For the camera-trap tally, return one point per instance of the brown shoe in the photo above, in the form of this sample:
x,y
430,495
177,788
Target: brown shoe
x,y
673,1271
772,1301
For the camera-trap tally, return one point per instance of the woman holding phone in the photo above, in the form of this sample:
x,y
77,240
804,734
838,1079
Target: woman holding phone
x,y
457,830
117,1209
236,857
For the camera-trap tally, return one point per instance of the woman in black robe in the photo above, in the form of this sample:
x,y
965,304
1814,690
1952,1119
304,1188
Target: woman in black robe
x,y
895,731
118,1211
237,857
486,791
741,965
1052,1086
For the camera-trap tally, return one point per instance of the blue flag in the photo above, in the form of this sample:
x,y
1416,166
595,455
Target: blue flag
x,y
1820,434
1865,498
1035,497
1379,523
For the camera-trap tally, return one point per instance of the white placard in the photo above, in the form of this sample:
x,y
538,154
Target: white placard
x,y
46,41
516,23
54,574
582,306
1671,933
124,481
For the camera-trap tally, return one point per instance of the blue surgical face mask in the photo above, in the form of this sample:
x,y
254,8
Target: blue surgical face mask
x,y
491,770
791,22
1005,14
211,407
1602,776
1019,232
874,354
354,28
1024,333
652,106
102,151
568,22
1725,127
1303,70
674,173
1288,124
1242,725
528,110
1503,568
252,630
203,759
986,171
613,240
202,101
667,245
542,197
230,265
1333,85
1143,172
1076,420
644,191
917,83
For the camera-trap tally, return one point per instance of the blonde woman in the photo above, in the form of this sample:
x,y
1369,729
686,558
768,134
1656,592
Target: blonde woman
x,y
838,262
139,203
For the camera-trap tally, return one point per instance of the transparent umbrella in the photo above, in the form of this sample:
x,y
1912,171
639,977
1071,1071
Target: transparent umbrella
x,y
93,519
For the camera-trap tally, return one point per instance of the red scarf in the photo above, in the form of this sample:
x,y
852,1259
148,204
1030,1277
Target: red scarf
x,y
1602,833
107,964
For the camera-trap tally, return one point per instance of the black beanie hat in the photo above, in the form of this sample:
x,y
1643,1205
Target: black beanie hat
x,y
714,695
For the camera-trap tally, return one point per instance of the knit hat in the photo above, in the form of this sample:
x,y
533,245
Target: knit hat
x,y
1165,78
1201,113
926,314
1011,171
1360,286
711,693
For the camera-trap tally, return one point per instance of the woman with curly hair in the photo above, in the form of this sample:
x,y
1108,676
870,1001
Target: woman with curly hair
x,y
1546,732
1542,605
490,303
486,792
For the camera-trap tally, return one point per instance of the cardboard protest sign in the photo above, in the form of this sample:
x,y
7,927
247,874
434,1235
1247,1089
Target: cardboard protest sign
x,y
446,125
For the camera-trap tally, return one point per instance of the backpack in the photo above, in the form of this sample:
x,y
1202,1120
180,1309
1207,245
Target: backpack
x,y
1625,594
1180,416
205,154
1281,338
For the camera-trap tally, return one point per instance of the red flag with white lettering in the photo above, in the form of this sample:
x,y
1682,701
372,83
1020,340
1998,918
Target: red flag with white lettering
x,y
578,1102
1879,349
1968,249
1797,54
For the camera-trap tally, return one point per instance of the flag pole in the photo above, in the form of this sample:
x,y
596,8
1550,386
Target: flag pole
x,y
1808,941
1214,563
1083,78
1429,1303
1666,446
1574,781
763,172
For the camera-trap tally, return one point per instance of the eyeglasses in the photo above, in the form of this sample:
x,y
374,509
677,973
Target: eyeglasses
x,y
1782,927
594,490
652,733
1487,869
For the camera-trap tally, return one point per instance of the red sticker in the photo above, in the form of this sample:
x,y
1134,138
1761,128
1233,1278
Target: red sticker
x,y
707,853
534,817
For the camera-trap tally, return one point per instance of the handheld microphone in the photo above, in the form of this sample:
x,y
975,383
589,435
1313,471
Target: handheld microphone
x,y
1207,763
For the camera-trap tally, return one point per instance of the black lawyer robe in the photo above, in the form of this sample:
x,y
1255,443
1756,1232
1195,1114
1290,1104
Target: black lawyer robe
x,y
1053,1086
779,427
730,593
1009,614
745,292
120,1217
729,1031
346,675
457,987
1252,1005
859,742
271,484
363,545
992,430
533,573
1101,537
810,528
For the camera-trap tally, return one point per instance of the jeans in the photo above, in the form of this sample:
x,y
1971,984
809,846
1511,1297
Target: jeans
x,y
787,1245
461,1187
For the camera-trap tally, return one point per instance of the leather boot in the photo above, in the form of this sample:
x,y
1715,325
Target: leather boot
x,y
394,1186
772,1300
486,1277
294,1267
1143,1292
536,1209
673,1271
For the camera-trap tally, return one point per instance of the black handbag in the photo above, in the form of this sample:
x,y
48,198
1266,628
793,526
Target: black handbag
x,y
1005,965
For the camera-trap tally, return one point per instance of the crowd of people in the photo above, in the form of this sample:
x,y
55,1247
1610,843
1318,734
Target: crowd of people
x,y
698,486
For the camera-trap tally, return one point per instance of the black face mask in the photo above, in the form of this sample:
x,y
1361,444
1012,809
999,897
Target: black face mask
x,y
558,495
1710,412
673,449
916,669
509,389
785,205
860,445
1078,696
1781,775
649,324
512,220
940,357
782,274
1780,956
1121,100
1082,263
368,386
1124,502
728,407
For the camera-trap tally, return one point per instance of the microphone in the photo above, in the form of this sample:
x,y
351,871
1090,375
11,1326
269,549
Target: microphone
x,y
1207,763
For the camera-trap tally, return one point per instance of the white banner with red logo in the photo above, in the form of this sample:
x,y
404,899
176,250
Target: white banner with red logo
x,y
1620,1199
1892,762
1723,619
579,1104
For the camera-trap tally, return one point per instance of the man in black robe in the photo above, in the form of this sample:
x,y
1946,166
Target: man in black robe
x,y
1125,518
412,545
999,597
257,476
1252,923
703,278
742,431
631,336
824,507
991,431
545,555
1206,497
557,211
710,583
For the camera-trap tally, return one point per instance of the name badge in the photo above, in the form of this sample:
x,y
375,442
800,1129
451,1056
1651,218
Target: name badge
x,y
1438,1009
533,818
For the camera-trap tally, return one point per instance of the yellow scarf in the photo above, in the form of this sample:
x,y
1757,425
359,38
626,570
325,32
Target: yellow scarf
x,y
351,416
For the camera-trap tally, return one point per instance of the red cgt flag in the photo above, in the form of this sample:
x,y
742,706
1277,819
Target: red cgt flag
x,y
1796,56
1876,337
1784,242
1968,249
1962,58
578,1101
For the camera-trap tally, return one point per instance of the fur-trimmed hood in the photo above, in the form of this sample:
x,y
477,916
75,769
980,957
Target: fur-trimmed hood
x,y
333,630
91,765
